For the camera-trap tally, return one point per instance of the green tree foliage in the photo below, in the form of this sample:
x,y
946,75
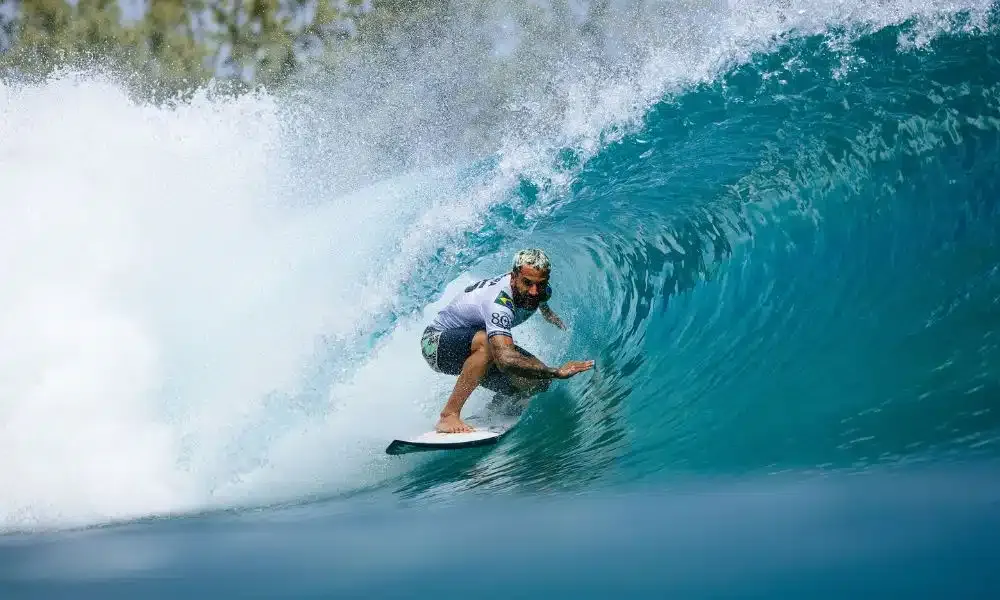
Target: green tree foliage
x,y
174,44
168,44
265,41
45,32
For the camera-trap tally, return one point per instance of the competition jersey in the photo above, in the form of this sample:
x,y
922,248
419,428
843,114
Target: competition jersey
x,y
486,304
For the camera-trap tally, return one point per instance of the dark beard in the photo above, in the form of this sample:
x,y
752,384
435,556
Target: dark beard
x,y
523,301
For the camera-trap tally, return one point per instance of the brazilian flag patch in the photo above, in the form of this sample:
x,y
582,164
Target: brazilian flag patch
x,y
504,300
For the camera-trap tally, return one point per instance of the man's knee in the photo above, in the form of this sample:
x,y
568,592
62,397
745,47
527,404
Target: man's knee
x,y
480,356
478,343
480,346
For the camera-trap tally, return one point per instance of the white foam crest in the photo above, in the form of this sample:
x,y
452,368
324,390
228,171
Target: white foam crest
x,y
527,79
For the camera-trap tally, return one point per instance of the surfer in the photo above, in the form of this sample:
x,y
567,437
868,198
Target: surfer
x,y
471,337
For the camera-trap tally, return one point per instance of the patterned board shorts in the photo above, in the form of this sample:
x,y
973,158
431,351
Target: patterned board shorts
x,y
446,351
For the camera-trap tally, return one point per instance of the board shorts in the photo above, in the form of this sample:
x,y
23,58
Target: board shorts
x,y
445,352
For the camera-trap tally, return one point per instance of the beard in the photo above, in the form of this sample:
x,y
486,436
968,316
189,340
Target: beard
x,y
525,301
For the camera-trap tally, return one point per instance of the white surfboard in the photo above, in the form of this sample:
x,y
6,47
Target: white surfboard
x,y
433,440
489,428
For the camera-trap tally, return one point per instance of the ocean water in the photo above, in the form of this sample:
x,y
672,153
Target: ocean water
x,y
774,225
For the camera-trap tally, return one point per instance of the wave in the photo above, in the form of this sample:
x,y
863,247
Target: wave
x,y
791,267
772,227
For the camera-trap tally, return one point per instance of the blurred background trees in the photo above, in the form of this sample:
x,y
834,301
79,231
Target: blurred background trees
x,y
175,45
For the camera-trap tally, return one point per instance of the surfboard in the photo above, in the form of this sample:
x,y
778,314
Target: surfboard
x,y
489,427
433,440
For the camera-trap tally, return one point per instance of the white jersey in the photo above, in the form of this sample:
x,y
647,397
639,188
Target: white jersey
x,y
486,304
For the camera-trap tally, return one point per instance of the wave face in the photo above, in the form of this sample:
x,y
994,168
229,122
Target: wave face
x,y
791,267
794,266
774,227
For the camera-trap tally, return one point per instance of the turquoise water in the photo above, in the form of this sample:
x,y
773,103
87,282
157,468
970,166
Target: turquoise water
x,y
784,260
793,267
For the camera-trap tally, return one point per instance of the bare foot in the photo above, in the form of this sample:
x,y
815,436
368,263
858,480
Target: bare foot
x,y
452,424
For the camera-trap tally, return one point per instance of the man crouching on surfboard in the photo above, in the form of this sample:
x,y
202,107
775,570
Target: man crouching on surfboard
x,y
471,337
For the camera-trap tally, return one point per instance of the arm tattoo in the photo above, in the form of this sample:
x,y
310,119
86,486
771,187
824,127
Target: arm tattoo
x,y
512,361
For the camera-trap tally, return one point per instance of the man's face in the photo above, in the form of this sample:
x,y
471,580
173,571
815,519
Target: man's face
x,y
528,285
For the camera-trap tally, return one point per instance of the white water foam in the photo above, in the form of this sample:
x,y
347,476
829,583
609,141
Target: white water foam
x,y
159,289
166,271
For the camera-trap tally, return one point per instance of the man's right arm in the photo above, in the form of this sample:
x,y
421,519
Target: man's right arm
x,y
508,359
499,319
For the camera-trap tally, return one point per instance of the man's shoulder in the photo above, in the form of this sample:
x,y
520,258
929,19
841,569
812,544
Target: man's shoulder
x,y
492,290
